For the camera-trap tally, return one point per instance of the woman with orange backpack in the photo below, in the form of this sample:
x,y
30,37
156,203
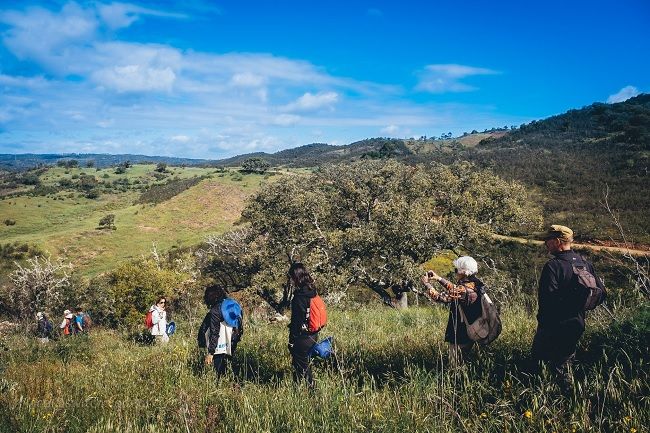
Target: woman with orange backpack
x,y
308,317
158,327
68,325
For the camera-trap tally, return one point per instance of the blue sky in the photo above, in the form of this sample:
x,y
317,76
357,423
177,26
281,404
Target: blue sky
x,y
211,79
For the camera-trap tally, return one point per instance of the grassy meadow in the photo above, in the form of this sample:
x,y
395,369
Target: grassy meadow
x,y
390,374
65,223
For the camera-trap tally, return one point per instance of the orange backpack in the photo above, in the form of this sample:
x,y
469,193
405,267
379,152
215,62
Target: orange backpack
x,y
68,327
317,315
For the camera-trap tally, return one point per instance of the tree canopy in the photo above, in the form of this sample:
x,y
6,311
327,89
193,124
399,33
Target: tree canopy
x,y
369,223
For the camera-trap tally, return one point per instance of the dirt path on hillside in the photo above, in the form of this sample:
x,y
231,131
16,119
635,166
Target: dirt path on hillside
x,y
621,250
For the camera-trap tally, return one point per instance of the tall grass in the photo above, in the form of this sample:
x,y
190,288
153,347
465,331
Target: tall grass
x,y
390,374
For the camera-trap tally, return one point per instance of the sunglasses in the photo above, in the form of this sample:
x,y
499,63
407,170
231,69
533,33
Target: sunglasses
x,y
161,302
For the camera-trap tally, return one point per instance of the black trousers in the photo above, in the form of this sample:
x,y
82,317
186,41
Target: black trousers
x,y
220,362
299,348
557,348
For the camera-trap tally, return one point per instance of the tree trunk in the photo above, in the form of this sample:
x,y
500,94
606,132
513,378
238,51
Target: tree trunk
x,y
401,301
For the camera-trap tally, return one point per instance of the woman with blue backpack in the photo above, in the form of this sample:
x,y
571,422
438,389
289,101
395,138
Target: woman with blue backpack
x,y
221,329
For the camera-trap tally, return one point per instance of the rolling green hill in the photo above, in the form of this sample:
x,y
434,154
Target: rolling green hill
x,y
570,162
173,210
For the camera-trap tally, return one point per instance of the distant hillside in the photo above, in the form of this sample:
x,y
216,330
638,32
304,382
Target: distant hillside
x,y
312,155
101,160
570,161
573,159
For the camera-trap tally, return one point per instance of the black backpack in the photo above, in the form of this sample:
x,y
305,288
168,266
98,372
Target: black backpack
x,y
590,295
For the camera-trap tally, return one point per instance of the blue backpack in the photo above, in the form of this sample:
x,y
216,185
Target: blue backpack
x,y
231,312
324,349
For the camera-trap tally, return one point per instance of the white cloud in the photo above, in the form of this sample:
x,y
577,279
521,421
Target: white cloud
x,y
624,94
445,78
157,99
181,138
106,123
247,79
119,15
135,78
285,120
41,35
26,82
310,101
390,130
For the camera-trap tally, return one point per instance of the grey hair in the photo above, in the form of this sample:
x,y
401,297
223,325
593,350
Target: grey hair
x,y
466,265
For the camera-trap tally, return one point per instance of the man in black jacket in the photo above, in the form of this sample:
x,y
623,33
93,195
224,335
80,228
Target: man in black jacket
x,y
561,314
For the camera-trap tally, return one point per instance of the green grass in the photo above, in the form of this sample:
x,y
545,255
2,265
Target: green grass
x,y
390,375
67,228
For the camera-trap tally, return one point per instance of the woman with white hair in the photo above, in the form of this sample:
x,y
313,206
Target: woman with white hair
x,y
462,294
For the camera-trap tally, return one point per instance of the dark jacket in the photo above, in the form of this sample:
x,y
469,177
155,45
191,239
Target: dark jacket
x,y
212,321
559,306
456,332
300,313
44,328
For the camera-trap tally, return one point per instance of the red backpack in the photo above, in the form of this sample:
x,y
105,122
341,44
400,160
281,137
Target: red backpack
x,y
148,320
317,315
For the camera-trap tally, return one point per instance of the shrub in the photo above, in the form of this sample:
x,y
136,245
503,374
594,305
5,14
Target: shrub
x,y
134,286
38,286
107,222
9,222
255,165
161,193
92,194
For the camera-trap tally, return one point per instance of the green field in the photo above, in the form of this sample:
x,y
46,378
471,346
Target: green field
x,y
390,375
65,223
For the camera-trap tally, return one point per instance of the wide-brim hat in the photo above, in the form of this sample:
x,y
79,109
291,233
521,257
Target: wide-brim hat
x,y
231,312
557,231
67,314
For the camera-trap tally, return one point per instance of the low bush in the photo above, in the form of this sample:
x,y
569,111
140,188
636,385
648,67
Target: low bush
x,y
160,193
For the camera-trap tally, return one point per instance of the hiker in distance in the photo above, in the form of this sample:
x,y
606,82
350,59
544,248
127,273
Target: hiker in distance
x,y
307,318
462,298
221,329
159,320
44,328
563,299
68,326
81,320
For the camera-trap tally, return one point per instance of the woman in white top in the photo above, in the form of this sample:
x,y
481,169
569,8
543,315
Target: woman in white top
x,y
159,320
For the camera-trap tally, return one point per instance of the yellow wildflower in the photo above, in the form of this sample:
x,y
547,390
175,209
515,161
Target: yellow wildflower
x,y
483,415
528,414
632,430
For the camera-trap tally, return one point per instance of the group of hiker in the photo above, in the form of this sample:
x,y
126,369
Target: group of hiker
x,y
568,287
75,323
